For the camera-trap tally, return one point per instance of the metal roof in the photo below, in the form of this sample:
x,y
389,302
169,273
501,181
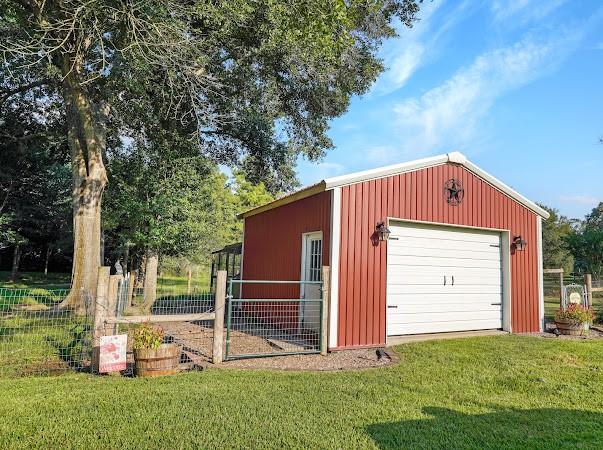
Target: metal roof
x,y
381,172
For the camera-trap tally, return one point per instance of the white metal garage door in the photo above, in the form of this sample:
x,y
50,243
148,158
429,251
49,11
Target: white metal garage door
x,y
442,279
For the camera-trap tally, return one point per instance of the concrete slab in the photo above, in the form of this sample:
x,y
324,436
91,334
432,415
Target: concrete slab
x,y
397,340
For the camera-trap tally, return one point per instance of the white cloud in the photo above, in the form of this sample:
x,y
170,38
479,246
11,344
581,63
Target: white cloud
x,y
448,115
382,155
413,47
326,169
580,199
528,9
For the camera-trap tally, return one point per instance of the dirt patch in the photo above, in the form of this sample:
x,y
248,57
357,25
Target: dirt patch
x,y
341,360
197,342
596,332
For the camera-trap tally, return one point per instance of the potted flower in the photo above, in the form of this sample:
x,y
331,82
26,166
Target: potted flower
x,y
574,320
151,356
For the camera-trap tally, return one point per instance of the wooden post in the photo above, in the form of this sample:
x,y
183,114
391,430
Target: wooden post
x,y
219,307
131,282
326,302
190,280
561,286
588,281
100,313
112,303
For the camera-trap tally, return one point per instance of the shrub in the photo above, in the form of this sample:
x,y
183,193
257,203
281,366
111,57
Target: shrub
x,y
576,313
148,336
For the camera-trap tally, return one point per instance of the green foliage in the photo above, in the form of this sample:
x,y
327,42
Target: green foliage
x,y
556,253
576,314
147,336
504,392
586,243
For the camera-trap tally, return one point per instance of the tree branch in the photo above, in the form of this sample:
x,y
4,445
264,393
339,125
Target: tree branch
x,y
7,93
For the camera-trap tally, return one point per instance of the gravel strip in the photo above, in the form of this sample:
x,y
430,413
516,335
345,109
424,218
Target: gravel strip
x,y
596,332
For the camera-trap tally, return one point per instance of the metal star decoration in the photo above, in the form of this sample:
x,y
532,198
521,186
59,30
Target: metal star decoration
x,y
453,189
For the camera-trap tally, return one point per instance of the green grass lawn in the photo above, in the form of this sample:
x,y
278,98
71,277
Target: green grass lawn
x,y
168,284
493,392
36,280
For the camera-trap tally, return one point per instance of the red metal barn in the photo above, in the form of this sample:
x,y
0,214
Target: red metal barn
x,y
464,250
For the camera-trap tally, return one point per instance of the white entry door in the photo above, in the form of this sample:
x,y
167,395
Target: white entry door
x,y
311,271
443,279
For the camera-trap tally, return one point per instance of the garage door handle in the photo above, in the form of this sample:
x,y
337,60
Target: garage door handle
x,y
444,280
453,280
495,304
392,306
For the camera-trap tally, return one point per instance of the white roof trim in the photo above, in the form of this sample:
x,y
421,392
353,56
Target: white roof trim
x,y
453,157
506,189
381,172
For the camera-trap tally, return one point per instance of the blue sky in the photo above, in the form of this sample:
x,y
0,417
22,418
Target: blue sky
x,y
515,85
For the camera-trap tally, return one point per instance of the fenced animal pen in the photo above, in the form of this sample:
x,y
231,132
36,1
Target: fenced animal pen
x,y
556,279
241,319
272,318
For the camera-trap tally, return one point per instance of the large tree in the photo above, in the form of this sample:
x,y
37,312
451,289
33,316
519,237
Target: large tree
x,y
555,250
258,80
586,243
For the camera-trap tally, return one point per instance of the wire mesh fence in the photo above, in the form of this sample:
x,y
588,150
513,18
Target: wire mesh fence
x,y
172,300
273,319
554,283
38,336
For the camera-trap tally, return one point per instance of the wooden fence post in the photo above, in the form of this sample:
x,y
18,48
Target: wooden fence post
x,y
588,281
326,303
131,281
219,306
561,286
112,303
190,281
100,313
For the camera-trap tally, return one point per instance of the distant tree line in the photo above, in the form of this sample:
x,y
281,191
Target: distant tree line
x,y
574,245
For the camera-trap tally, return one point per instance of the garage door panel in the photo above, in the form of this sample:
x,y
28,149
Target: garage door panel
x,y
427,243
438,279
403,251
443,327
456,316
427,299
434,261
409,273
421,258
444,233
466,307
414,289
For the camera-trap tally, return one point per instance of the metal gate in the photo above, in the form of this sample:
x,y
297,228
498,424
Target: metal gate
x,y
270,318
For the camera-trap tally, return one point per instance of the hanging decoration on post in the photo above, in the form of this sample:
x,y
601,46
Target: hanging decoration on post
x,y
453,189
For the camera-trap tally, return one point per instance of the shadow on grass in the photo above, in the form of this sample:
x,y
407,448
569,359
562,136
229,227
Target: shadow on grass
x,y
506,428
74,345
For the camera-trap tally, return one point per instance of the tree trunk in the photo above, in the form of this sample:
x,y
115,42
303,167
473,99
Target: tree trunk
x,y
16,260
86,139
126,263
48,252
150,280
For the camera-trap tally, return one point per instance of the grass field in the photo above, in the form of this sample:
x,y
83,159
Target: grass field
x,y
494,392
168,284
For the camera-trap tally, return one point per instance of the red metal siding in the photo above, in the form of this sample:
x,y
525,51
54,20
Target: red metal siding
x,y
273,242
419,195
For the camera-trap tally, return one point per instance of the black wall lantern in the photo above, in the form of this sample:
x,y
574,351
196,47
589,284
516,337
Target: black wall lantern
x,y
382,231
519,243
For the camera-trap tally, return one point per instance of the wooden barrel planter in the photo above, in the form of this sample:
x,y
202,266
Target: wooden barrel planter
x,y
154,363
572,328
